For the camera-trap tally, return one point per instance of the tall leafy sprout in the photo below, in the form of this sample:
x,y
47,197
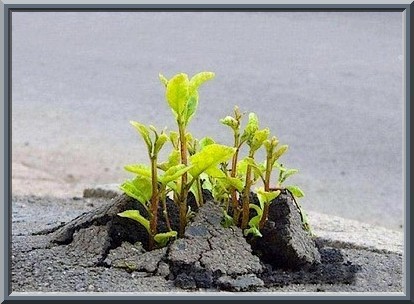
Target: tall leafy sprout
x,y
182,97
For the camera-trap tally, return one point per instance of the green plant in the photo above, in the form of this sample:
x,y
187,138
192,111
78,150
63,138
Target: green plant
x,y
186,162
194,164
245,172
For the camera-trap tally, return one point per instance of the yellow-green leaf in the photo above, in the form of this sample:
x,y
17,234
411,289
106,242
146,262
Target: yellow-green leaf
x,y
163,238
252,230
209,157
235,182
173,173
177,93
143,130
140,169
136,216
287,173
163,79
296,191
251,128
159,143
205,141
266,197
139,188
230,121
173,160
258,138
279,152
199,79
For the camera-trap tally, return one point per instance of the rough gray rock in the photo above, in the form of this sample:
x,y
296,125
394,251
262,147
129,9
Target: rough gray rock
x,y
285,243
135,258
246,282
209,251
89,245
118,229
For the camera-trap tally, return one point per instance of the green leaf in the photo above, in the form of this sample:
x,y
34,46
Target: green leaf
x,y
139,188
251,128
252,230
210,157
199,78
256,208
296,191
258,169
136,216
173,173
279,152
215,172
255,221
279,166
258,138
230,121
140,169
191,107
235,182
163,238
206,183
174,138
163,79
266,197
287,173
270,144
173,160
159,143
177,93
205,141
227,220
143,130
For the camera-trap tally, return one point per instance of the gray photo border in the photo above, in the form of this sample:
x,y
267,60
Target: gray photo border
x,y
7,6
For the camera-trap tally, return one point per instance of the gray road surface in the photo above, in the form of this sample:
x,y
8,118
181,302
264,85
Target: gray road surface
x,y
328,84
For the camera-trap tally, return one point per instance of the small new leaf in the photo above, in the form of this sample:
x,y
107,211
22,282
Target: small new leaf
x,y
136,216
253,230
279,152
296,191
143,130
266,197
159,143
230,121
163,79
163,238
258,138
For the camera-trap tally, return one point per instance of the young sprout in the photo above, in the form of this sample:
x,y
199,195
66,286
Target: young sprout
x,y
139,187
182,97
254,138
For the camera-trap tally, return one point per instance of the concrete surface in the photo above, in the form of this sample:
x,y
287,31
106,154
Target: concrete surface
x,y
347,267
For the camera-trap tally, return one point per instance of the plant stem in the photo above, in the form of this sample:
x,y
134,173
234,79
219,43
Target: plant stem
x,y
165,210
246,195
154,202
267,189
184,192
235,203
200,193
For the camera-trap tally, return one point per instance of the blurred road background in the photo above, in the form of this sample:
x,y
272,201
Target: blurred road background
x,y
328,84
